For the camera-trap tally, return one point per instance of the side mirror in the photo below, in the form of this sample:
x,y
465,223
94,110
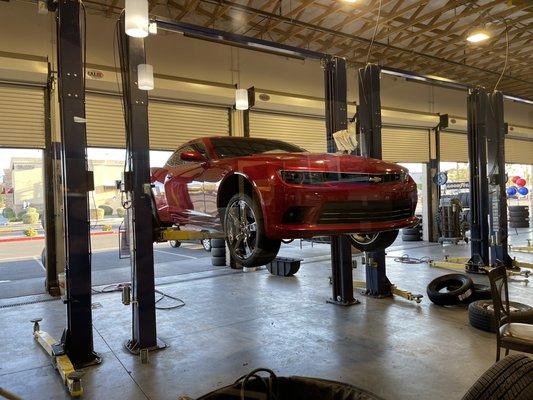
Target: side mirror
x,y
192,156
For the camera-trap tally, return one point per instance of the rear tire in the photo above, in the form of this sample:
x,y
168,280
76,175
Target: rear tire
x,y
373,242
245,232
174,243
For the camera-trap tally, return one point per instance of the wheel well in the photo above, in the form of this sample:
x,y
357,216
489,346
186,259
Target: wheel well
x,y
232,185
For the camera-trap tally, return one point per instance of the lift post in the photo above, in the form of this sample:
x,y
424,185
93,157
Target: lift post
x,y
137,184
78,337
336,120
369,118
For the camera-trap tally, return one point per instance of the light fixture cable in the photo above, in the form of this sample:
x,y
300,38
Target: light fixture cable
x,y
374,35
506,55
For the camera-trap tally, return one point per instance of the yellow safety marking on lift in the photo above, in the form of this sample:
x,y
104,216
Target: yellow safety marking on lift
x,y
165,235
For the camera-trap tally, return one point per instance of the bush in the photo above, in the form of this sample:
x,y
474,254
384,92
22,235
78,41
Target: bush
x,y
21,214
30,218
120,212
107,228
8,213
31,210
97,214
107,209
31,232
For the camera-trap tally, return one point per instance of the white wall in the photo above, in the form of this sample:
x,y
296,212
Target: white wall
x,y
27,34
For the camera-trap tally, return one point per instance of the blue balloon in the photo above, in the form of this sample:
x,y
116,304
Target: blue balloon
x,y
523,191
511,191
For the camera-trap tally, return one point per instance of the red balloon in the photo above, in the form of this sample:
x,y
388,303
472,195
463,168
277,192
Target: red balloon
x,y
521,182
515,178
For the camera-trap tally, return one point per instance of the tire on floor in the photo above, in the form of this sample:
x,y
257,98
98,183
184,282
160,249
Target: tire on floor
x,y
458,287
481,314
509,379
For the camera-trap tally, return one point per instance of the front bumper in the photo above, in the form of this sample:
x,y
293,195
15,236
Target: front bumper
x,y
304,211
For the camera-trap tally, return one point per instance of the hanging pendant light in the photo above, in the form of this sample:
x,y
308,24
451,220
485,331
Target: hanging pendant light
x,y
241,99
145,76
477,35
136,18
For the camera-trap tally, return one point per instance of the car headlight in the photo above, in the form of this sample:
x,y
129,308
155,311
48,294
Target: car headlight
x,y
303,177
404,175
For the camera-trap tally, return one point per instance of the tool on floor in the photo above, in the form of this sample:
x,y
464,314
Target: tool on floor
x,y
60,360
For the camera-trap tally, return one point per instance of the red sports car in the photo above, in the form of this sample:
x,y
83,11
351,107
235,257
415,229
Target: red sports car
x,y
260,191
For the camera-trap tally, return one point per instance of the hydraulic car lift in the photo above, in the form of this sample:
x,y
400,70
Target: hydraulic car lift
x,y
488,201
369,127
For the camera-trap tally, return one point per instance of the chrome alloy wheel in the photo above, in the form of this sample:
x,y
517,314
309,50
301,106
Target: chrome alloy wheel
x,y
241,229
364,238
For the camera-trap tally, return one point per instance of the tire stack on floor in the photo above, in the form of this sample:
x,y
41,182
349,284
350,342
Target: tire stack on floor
x,y
518,217
218,252
412,234
481,314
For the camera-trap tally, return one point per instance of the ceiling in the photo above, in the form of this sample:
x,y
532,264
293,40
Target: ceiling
x,y
426,37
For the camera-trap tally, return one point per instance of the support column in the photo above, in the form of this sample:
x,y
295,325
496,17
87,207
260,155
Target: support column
x,y
369,116
336,120
477,155
78,337
139,190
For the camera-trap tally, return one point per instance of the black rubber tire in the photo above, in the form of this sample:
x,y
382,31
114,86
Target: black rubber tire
x,y
482,317
43,257
519,208
382,241
481,292
266,249
218,261
524,224
412,238
218,252
174,243
412,231
518,219
460,288
520,214
217,243
509,379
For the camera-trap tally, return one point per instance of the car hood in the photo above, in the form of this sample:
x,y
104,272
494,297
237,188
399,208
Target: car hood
x,y
329,162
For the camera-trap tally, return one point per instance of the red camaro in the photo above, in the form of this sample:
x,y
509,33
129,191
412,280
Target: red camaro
x,y
260,191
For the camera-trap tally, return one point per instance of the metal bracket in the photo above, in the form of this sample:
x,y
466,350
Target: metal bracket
x,y
394,290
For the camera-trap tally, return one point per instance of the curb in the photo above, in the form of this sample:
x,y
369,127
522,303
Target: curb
x,y
24,238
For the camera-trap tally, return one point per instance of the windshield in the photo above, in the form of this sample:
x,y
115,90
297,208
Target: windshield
x,y
241,147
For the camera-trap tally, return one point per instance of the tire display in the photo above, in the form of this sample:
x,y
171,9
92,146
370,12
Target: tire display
x,y
243,223
218,252
518,216
509,379
374,241
450,289
481,314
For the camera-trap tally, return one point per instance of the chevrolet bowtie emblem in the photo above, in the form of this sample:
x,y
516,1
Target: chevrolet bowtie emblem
x,y
375,179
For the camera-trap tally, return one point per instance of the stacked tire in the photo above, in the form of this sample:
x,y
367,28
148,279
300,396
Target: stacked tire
x,y
412,234
518,217
218,252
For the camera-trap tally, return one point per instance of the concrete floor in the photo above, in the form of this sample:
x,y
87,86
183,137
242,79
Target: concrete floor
x,y
234,322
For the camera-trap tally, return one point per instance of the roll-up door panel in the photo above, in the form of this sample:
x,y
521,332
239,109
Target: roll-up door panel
x,y
453,147
400,145
518,151
172,124
306,132
105,121
21,116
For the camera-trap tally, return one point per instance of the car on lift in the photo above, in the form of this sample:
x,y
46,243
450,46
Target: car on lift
x,y
260,191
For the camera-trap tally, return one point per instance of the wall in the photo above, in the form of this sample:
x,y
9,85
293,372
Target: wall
x,y
202,71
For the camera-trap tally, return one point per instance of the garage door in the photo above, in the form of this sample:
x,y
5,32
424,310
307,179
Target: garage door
x,y
453,147
303,131
170,124
405,145
21,116
518,151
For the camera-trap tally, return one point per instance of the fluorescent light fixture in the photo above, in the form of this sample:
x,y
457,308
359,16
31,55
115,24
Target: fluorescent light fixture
x,y
136,18
518,99
152,28
145,76
350,1
478,35
241,99
273,49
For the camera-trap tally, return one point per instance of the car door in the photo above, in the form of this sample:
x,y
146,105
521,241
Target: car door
x,y
184,190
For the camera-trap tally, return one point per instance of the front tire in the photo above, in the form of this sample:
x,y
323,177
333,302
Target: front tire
x,y
245,232
373,241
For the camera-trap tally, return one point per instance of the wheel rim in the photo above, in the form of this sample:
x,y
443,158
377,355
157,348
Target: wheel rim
x,y
206,243
241,225
364,238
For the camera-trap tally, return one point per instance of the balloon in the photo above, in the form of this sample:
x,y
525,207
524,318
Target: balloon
x,y
511,191
523,191
520,182
515,178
